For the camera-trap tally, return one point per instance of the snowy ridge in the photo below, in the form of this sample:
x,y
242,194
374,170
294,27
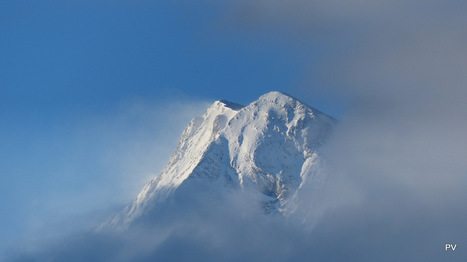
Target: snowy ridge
x,y
269,146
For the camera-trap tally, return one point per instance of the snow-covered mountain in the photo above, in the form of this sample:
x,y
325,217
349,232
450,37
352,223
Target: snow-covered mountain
x,y
269,147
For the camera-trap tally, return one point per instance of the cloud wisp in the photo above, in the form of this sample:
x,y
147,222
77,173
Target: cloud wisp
x,y
118,153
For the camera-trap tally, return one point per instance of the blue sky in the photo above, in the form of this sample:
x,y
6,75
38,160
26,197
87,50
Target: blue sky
x,y
99,53
78,79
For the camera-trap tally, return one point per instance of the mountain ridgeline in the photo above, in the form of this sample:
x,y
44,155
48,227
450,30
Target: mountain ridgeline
x,y
268,149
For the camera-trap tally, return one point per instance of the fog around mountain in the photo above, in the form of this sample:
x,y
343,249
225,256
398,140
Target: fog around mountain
x,y
333,200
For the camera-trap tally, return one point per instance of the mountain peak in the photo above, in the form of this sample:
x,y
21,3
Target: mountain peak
x,y
285,100
270,147
276,96
281,99
231,105
223,106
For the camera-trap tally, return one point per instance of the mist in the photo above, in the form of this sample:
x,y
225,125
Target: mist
x,y
396,160
100,163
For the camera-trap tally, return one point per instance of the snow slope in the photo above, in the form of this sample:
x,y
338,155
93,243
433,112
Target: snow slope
x,y
270,147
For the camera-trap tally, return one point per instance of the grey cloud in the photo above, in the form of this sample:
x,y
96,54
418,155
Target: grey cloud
x,y
398,156
382,48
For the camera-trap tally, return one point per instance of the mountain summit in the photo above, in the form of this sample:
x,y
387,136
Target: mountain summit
x,y
269,147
